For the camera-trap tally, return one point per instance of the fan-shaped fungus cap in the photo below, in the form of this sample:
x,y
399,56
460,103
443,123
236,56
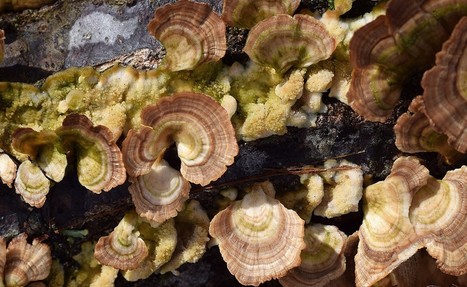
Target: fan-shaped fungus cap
x,y
387,237
445,88
159,194
31,184
258,237
199,126
42,147
415,134
122,248
26,262
7,169
191,33
247,13
438,214
281,42
322,259
100,164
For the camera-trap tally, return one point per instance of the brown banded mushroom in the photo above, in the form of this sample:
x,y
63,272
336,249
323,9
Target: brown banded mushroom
x,y
99,160
200,128
191,33
159,194
322,259
445,89
247,13
31,184
438,215
43,148
415,134
258,237
282,42
123,248
387,237
7,169
26,262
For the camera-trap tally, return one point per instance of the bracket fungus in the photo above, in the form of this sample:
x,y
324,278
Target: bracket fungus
x,y
123,248
283,41
387,51
31,184
258,237
200,128
445,89
247,13
7,169
159,194
191,33
438,215
387,237
322,260
26,262
18,5
99,160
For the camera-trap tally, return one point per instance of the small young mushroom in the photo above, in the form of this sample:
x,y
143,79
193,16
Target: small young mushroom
x,y
191,33
387,237
282,42
438,215
200,128
322,259
7,169
26,262
445,89
123,248
415,134
247,13
43,148
99,160
159,194
31,184
258,237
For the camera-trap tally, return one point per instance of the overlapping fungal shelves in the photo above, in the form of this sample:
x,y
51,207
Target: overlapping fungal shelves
x,y
186,131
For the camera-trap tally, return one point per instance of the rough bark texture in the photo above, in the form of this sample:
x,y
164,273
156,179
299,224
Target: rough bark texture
x,y
40,42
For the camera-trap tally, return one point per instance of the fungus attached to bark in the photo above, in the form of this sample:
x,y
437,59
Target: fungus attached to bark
x,y
123,248
7,169
282,42
31,184
438,215
445,89
191,33
2,259
18,5
258,237
387,237
159,194
99,160
415,134
322,259
26,262
200,128
247,13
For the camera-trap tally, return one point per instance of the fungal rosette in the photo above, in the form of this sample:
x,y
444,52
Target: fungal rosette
x,y
123,248
200,128
191,33
258,237
247,13
387,237
414,133
445,89
99,160
159,194
31,184
26,262
283,41
438,215
322,260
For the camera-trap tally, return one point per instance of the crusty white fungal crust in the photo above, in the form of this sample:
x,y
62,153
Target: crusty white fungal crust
x,y
258,238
